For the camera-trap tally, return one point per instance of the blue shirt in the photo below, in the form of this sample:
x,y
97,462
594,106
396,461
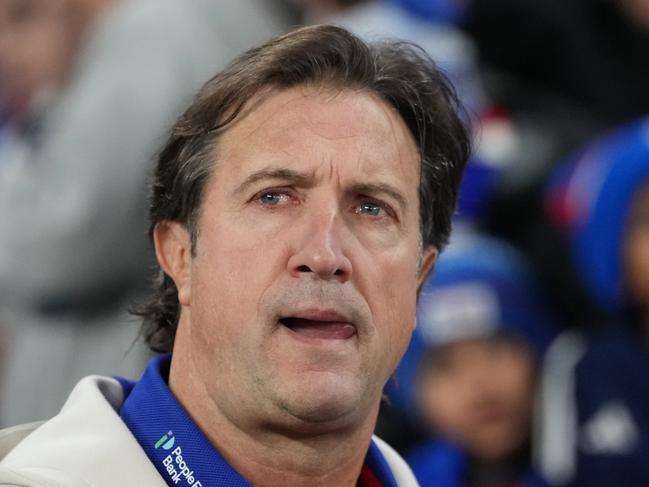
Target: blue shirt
x,y
178,448
443,464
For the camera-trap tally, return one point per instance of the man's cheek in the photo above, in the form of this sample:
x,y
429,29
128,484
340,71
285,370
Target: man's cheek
x,y
402,301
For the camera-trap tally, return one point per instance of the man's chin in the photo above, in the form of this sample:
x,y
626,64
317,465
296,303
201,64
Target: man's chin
x,y
325,405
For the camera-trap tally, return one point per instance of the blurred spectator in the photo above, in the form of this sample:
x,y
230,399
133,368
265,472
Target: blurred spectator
x,y
38,40
470,373
590,53
442,11
595,421
315,11
427,25
560,73
89,88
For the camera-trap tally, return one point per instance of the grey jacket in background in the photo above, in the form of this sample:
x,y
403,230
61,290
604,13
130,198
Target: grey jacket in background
x,y
74,251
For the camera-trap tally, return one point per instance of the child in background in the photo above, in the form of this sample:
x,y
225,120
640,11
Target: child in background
x,y
595,421
470,373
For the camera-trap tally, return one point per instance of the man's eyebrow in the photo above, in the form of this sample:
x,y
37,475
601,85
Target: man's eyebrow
x,y
306,180
287,175
378,188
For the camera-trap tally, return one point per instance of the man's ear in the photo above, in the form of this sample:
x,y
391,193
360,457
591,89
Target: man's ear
x,y
428,259
173,250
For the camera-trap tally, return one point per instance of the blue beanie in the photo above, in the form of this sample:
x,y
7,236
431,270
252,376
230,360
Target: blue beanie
x,y
589,199
479,184
442,11
480,287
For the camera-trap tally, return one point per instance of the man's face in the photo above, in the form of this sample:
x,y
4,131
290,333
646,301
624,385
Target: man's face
x,y
479,393
300,298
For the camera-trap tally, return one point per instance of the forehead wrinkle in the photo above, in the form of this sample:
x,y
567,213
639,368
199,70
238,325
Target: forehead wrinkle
x,y
369,185
268,144
326,170
376,176
263,105
332,170
361,116
312,127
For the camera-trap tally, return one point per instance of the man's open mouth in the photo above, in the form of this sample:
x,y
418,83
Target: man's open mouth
x,y
323,329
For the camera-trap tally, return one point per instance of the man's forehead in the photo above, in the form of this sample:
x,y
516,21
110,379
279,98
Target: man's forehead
x,y
277,124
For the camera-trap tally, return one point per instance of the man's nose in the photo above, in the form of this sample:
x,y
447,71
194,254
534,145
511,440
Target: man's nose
x,y
320,250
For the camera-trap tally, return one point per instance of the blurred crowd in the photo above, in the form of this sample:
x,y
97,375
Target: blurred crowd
x,y
530,362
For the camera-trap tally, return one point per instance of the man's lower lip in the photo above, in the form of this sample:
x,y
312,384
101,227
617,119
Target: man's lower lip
x,y
321,330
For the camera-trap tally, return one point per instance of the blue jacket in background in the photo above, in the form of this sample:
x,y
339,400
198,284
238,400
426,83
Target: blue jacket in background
x,y
441,463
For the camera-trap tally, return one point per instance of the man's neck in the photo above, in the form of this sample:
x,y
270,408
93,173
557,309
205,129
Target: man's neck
x,y
267,456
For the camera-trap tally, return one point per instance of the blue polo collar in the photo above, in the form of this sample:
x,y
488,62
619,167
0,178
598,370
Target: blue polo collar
x,y
179,450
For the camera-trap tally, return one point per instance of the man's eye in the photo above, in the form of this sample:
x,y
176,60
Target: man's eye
x,y
369,208
272,198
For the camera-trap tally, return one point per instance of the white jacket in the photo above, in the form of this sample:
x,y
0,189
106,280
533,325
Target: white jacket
x,y
88,445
